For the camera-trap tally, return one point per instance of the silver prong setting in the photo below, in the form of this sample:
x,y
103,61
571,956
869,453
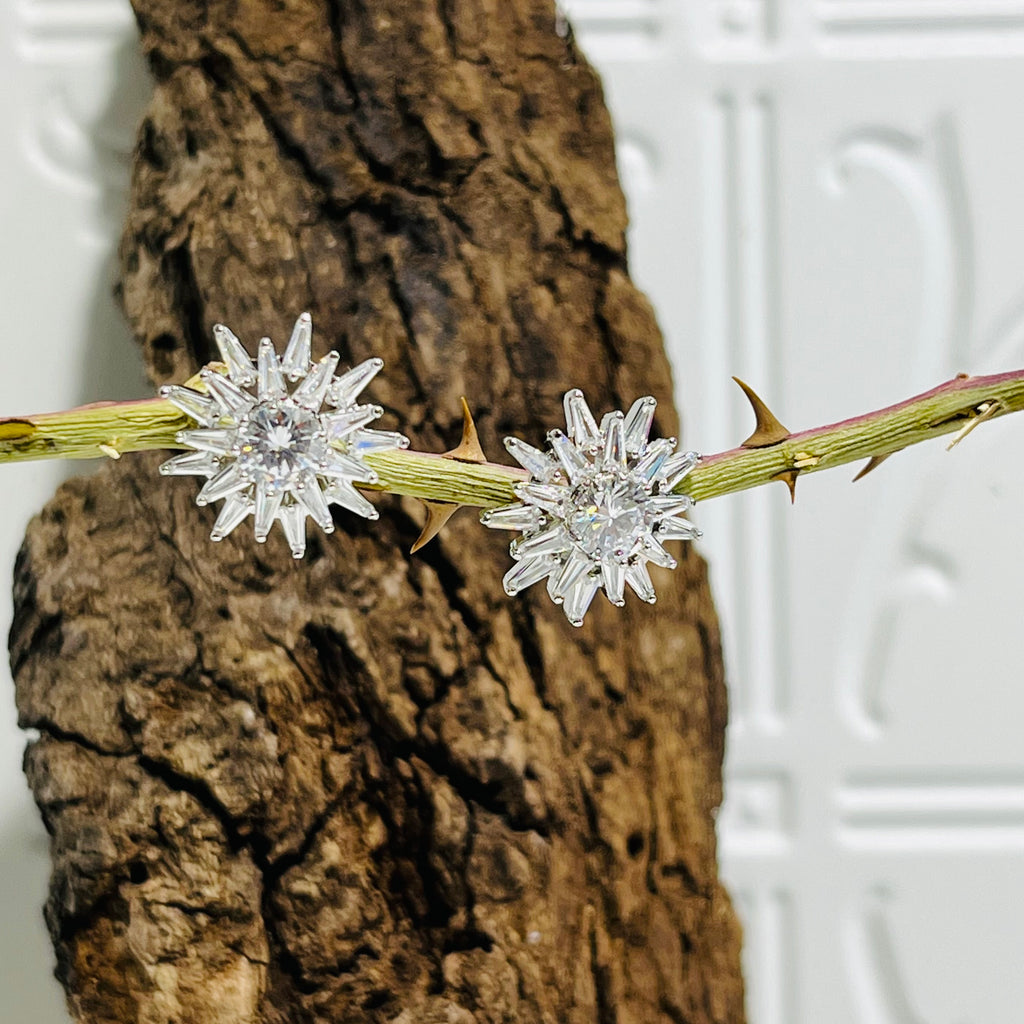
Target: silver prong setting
x,y
599,505
277,453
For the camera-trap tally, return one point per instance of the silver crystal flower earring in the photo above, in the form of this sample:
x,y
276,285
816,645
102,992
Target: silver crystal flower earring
x,y
596,508
274,452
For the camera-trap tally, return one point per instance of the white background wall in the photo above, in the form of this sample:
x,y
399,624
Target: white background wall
x,y
825,200
71,90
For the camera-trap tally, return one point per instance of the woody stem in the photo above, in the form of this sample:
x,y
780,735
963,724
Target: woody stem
x,y
110,429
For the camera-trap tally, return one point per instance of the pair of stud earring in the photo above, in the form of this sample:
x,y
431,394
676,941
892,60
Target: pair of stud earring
x,y
281,438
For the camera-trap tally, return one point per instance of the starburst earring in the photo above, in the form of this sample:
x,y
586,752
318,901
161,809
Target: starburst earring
x,y
597,507
274,452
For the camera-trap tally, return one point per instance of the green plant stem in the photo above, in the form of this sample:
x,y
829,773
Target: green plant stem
x,y
110,429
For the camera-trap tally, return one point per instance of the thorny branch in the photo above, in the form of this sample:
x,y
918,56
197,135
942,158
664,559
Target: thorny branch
x,y
770,454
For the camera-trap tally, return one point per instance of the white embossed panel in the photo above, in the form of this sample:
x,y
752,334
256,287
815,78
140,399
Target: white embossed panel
x,y
826,201
830,208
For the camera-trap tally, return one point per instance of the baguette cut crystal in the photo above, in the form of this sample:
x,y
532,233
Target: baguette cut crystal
x,y
596,507
276,454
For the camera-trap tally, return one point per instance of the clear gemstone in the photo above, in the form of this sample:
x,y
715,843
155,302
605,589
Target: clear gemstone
x,y
363,442
513,517
280,443
267,505
614,574
614,431
236,508
337,466
312,499
220,442
549,497
677,467
576,566
537,463
607,517
639,579
573,461
293,520
201,408
297,355
638,424
271,380
341,424
578,597
547,542
677,529
580,420
527,572
233,353
345,388
342,493
229,396
655,457
313,390
229,480
191,464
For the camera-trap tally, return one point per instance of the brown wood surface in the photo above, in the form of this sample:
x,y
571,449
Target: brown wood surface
x,y
368,786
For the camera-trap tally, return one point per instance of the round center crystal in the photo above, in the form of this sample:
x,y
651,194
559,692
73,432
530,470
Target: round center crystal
x,y
607,520
280,443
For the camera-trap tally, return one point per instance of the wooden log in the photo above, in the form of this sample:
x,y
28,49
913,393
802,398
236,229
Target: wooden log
x,y
368,786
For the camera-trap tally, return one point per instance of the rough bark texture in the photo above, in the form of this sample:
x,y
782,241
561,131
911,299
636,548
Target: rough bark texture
x,y
367,786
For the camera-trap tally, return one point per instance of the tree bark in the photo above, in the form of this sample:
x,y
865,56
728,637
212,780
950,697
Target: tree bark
x,y
368,786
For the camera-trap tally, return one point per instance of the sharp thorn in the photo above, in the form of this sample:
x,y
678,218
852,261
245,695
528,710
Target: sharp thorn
x,y
468,449
438,514
767,429
873,463
788,477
